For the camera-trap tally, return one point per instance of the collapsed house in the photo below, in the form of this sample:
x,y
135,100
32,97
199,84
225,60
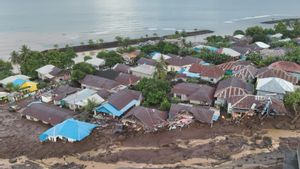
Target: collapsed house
x,y
147,119
238,106
182,115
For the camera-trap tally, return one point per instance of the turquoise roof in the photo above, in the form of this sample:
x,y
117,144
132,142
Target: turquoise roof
x,y
70,129
19,82
111,110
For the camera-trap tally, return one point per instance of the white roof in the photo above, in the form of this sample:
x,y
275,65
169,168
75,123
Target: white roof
x,y
276,85
277,35
262,45
11,79
82,96
96,98
239,36
45,69
96,62
204,46
230,52
3,94
145,69
157,56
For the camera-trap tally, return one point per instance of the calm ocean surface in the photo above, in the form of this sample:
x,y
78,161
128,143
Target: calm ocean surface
x,y
42,23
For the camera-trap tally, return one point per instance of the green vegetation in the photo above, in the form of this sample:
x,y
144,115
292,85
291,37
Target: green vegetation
x,y
165,105
238,32
31,60
123,42
213,57
80,70
161,69
257,59
111,58
5,69
154,91
87,58
218,41
178,34
91,104
162,47
258,33
292,100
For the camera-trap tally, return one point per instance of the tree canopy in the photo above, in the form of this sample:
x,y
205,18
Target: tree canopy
x,y
5,69
292,101
218,41
111,58
154,91
80,70
162,47
212,57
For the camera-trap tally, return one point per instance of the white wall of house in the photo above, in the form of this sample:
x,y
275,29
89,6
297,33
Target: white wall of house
x,y
172,68
141,74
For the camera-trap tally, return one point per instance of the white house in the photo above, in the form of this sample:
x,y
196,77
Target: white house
x,y
143,71
96,62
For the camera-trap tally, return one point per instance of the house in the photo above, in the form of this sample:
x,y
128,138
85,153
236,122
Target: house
x,y
239,36
158,56
142,118
276,36
233,66
261,45
50,72
246,73
277,52
231,87
270,72
131,56
71,130
241,48
80,99
177,63
11,79
146,71
127,79
108,74
47,113
290,67
146,61
100,83
121,68
181,115
61,92
274,87
119,103
96,62
29,87
230,52
194,93
251,104
211,73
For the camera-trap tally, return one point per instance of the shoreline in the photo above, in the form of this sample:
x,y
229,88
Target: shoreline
x,y
114,44
281,20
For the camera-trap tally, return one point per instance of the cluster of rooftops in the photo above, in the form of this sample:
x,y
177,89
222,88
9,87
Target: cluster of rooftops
x,y
246,90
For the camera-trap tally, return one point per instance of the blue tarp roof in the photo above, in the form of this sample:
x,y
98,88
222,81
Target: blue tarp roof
x,y
110,109
19,82
71,129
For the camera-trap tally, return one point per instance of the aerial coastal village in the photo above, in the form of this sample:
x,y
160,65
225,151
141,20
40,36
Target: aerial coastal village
x,y
160,89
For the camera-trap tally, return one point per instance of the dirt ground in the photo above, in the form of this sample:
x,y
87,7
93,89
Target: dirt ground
x,y
249,144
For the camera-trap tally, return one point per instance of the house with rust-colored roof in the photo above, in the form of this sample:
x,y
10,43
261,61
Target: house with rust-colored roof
x,y
100,83
194,93
47,113
270,72
211,74
290,67
234,65
231,87
127,79
250,104
120,102
176,63
142,118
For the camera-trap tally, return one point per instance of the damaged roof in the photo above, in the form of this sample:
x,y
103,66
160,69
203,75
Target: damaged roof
x,y
286,66
207,71
150,118
127,79
63,91
270,72
182,61
202,114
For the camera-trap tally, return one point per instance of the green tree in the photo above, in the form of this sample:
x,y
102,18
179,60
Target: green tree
x,y
161,69
238,32
5,69
217,41
90,106
87,58
15,57
80,70
281,28
111,58
292,101
212,57
257,33
154,91
165,105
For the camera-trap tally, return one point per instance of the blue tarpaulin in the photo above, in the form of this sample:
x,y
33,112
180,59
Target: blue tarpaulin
x,y
70,129
111,110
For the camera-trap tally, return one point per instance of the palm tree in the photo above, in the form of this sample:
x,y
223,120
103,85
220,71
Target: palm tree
x,y
15,57
161,69
100,42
